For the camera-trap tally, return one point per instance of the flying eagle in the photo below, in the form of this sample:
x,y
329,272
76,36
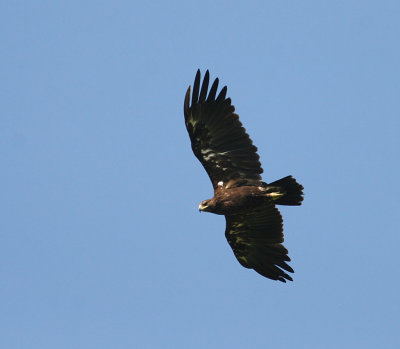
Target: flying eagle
x,y
254,228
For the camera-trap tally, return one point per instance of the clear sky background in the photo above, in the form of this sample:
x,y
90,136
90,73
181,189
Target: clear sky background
x,y
101,241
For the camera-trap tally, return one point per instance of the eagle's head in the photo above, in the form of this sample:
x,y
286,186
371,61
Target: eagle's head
x,y
206,206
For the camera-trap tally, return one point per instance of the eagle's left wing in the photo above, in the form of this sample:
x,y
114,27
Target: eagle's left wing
x,y
256,238
218,138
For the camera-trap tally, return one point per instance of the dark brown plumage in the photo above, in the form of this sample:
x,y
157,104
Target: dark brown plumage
x,y
253,223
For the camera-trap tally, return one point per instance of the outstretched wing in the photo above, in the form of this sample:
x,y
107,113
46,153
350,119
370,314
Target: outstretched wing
x,y
256,238
218,138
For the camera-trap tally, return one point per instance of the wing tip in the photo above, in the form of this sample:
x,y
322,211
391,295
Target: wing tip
x,y
204,87
200,90
196,87
213,90
222,94
186,103
275,274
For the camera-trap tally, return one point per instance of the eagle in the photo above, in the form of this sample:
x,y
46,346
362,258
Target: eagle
x,y
254,226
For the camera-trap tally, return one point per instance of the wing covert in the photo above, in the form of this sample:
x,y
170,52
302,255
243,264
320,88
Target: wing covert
x,y
217,136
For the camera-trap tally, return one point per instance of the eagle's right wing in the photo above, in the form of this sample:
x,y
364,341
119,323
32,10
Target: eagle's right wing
x,y
218,138
256,238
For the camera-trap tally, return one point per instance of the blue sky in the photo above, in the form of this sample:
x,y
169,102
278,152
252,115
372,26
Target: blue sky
x,y
101,242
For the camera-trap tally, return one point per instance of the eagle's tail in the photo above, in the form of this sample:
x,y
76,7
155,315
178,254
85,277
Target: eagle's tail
x,y
291,190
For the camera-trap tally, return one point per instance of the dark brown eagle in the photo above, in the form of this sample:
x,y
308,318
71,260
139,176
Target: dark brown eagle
x,y
253,224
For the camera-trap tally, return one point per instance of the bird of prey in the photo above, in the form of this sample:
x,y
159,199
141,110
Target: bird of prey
x,y
254,228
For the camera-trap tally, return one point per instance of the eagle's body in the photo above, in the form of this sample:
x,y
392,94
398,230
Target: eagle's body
x,y
228,200
253,223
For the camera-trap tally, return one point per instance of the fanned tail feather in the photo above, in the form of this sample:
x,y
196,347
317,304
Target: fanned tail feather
x,y
293,191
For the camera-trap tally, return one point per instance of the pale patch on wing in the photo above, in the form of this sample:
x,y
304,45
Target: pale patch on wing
x,y
217,165
208,154
207,151
219,160
220,183
242,259
191,121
